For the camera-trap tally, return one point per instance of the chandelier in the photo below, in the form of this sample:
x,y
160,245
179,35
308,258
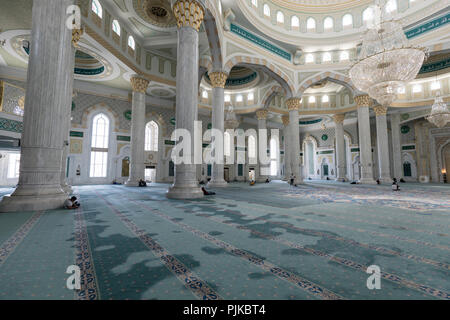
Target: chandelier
x,y
440,115
386,60
231,121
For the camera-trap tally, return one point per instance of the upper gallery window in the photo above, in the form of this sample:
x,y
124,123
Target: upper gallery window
x,y
280,17
312,99
131,42
309,58
417,88
116,27
435,85
347,20
325,99
326,57
227,98
266,10
255,3
344,56
250,97
205,94
368,15
151,136
328,24
391,6
97,8
239,98
295,22
310,24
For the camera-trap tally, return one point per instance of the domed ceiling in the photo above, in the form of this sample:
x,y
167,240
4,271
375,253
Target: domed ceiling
x,y
317,6
155,12
239,78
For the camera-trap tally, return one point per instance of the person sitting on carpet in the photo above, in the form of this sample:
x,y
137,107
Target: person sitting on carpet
x,y
252,183
71,203
207,193
395,186
142,183
267,180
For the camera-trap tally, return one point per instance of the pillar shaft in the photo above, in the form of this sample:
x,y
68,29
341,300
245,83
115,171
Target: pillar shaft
x,y
383,145
287,155
294,139
340,147
137,161
218,81
365,143
396,146
189,15
264,167
39,185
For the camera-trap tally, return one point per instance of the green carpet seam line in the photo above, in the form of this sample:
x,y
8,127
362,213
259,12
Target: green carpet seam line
x,y
346,262
89,286
290,277
198,287
412,257
10,245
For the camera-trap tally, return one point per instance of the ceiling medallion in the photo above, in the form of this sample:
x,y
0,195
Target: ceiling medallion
x,y
387,60
158,12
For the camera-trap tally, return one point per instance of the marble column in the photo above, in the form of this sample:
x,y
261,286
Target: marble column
x,y
293,105
383,145
218,81
189,15
365,144
76,36
39,185
137,161
287,154
264,168
396,146
340,147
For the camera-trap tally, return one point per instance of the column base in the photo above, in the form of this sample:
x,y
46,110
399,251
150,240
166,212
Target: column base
x,y
184,193
131,183
367,181
11,203
217,184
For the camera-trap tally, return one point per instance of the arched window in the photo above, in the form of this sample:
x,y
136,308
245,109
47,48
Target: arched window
x,y
325,99
251,147
273,157
239,98
255,3
326,57
116,27
131,42
344,56
368,15
280,17
309,58
417,88
347,20
99,146
97,8
328,24
151,136
310,24
266,10
227,144
251,97
391,6
295,22
312,99
205,94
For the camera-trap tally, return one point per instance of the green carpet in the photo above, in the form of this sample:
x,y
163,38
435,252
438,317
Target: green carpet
x,y
268,241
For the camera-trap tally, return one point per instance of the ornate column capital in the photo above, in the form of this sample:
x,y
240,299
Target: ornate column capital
x,y
261,114
363,100
285,120
218,79
139,84
339,118
189,13
380,110
76,36
293,104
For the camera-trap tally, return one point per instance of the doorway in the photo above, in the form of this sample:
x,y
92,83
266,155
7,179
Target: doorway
x,y
226,174
150,174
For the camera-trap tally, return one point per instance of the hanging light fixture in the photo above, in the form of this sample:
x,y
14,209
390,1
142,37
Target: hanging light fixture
x,y
231,121
440,115
386,60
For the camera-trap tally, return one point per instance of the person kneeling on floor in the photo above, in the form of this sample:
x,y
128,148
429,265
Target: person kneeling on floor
x,y
207,193
395,186
142,183
71,203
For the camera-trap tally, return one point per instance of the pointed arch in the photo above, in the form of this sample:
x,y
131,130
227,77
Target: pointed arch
x,y
331,76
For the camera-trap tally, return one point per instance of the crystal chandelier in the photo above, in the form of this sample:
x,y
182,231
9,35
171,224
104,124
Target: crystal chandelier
x,y
231,121
440,115
386,60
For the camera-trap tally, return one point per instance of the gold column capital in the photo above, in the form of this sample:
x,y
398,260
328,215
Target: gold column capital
x,y
285,120
363,100
380,110
139,83
76,36
189,13
218,79
261,114
293,104
339,118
